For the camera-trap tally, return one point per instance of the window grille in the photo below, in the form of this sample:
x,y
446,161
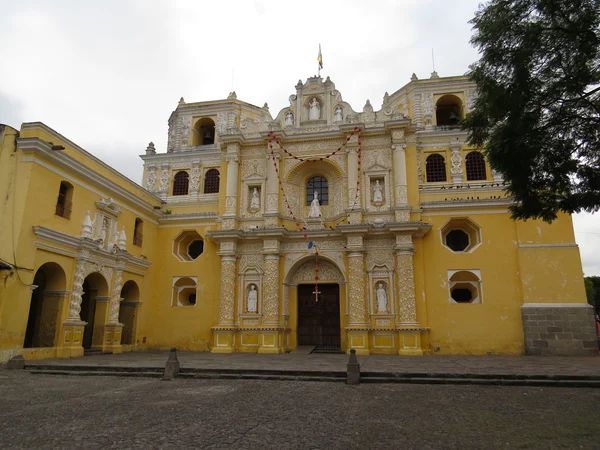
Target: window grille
x,y
318,184
138,237
211,181
63,205
181,183
475,164
435,168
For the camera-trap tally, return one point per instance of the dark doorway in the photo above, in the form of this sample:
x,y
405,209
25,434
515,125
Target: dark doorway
x,y
319,321
88,311
35,311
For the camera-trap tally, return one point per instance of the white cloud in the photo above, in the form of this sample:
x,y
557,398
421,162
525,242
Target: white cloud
x,y
108,74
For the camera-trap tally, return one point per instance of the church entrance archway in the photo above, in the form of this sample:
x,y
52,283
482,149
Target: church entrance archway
x,y
93,309
45,307
319,316
320,324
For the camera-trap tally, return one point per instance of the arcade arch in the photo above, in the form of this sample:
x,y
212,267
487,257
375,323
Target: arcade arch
x,y
130,301
94,302
46,306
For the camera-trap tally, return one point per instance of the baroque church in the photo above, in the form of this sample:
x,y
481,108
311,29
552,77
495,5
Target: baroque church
x,y
319,225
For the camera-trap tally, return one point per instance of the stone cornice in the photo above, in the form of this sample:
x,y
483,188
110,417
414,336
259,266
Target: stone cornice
x,y
78,244
39,147
462,204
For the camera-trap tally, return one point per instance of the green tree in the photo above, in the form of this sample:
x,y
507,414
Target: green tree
x,y
538,106
589,290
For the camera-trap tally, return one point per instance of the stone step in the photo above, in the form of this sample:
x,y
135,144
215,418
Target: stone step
x,y
495,376
77,368
221,376
485,381
97,373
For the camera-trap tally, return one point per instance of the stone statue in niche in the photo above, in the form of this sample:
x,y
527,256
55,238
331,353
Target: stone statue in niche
x,y
255,200
289,119
315,207
382,301
377,192
314,112
338,115
252,300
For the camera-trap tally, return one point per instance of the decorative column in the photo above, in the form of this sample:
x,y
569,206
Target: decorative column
x,y
272,187
409,330
271,336
456,170
354,200
113,329
163,187
224,333
195,180
151,178
401,206
231,189
357,329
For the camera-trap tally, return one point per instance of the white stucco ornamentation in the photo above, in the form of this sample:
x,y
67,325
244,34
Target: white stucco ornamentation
x,y
195,179
270,304
151,179
406,287
227,293
164,179
356,278
77,291
115,300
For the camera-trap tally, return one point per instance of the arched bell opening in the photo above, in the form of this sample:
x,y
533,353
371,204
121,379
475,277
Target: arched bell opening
x,y
203,132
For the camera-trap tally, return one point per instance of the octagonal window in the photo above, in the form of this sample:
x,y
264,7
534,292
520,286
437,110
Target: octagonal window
x,y
184,291
196,248
457,240
461,235
188,245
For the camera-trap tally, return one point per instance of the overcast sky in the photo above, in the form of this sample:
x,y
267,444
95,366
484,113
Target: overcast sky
x,y
108,74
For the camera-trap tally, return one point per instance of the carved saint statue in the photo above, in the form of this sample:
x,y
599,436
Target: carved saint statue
x,y
377,192
289,119
338,116
382,301
255,201
315,207
314,113
252,301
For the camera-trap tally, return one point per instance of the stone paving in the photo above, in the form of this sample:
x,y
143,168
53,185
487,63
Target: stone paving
x,y
526,365
56,412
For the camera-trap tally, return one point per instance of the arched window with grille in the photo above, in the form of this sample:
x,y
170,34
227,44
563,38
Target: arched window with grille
x,y
211,181
181,183
64,204
475,165
435,168
317,184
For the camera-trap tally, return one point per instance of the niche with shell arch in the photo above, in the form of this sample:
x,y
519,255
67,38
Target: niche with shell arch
x,y
381,273
250,276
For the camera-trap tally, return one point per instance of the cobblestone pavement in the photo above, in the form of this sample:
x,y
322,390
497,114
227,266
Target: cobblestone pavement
x,y
104,412
527,365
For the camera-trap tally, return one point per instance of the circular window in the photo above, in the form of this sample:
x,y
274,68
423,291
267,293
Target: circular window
x,y
457,240
196,248
461,295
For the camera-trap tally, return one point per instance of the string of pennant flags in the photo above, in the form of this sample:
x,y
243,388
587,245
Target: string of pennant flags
x,y
272,138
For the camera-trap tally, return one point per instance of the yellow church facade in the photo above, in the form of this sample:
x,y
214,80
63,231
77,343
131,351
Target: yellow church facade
x,y
379,231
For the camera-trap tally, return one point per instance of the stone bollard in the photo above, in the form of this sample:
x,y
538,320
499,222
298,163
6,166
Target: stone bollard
x,y
16,363
172,365
353,369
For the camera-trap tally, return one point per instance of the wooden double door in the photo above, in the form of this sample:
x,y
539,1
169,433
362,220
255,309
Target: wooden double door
x,y
319,319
